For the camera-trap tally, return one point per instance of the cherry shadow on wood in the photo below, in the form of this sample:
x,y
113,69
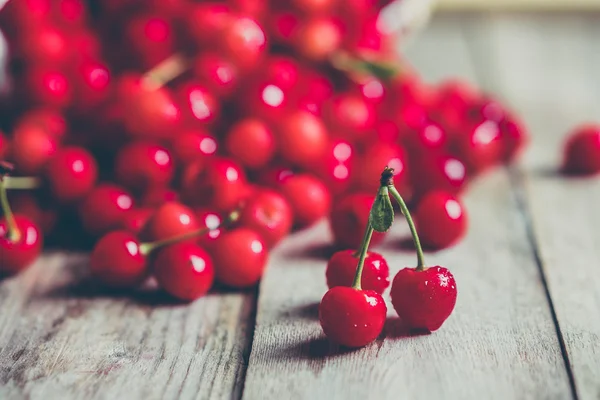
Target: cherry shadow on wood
x,y
309,311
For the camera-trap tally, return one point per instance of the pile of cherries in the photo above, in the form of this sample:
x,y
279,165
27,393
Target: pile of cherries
x,y
184,139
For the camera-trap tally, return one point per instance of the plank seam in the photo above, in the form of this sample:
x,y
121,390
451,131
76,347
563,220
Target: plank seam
x,y
250,346
516,179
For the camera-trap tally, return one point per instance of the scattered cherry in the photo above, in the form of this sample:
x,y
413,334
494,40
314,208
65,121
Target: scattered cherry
x,y
71,174
582,151
441,218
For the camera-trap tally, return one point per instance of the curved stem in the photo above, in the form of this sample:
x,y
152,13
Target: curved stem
x,y
21,182
165,72
147,248
13,234
364,247
411,225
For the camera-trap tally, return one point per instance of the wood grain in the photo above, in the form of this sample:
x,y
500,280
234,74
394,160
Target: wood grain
x,y
61,338
557,87
499,344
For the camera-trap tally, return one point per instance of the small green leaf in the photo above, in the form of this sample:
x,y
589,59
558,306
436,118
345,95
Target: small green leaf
x,y
382,211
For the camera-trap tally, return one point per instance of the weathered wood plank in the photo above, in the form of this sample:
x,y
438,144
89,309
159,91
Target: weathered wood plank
x,y
499,344
62,339
558,87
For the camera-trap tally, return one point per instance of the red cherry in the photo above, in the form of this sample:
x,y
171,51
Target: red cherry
x,y
372,90
302,138
352,317
217,73
314,6
282,71
47,87
251,142
220,184
156,196
441,220
268,214
49,120
198,105
318,37
514,136
408,89
70,13
428,138
117,260
368,166
44,45
170,220
341,269
387,131
85,44
135,219
348,114
244,42
32,147
209,219
487,109
454,98
581,154
283,25
308,197
481,147
264,99
17,255
207,21
104,208
240,257
23,14
424,299
192,145
348,221
71,173
140,166
253,8
91,83
3,144
274,176
437,171
150,37
335,167
184,270
368,37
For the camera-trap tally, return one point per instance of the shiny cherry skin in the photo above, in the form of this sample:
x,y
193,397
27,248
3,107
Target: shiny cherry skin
x,y
283,25
282,71
454,98
48,87
198,105
117,261
318,37
311,92
368,166
351,317
308,197
437,172
372,90
581,154
207,21
150,37
341,269
216,72
268,214
302,138
32,147
91,81
487,109
220,185
170,220
17,255
424,299
135,219
514,137
335,166
349,218
47,119
104,208
71,174
265,98
44,45
141,165
274,176
208,219
441,220
251,142
350,115
481,146
192,145
430,137
244,42
183,270
156,196
240,257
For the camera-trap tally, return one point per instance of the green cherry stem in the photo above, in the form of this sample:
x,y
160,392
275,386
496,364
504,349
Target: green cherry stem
x,y
364,247
147,248
13,234
21,182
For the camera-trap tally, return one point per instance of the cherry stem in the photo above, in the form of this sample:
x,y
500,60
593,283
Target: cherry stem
x,y
411,225
364,247
21,182
164,72
13,234
147,248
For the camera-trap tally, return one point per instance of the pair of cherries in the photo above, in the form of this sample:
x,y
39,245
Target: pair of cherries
x,y
352,313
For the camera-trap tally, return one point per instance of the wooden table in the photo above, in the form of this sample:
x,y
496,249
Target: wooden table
x,y
526,325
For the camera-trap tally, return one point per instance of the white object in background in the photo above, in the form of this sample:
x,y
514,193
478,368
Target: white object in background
x,y
404,19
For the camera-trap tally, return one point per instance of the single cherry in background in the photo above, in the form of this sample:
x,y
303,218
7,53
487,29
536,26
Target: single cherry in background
x,y
251,142
268,213
302,138
104,208
308,197
135,219
581,153
349,219
192,145
170,219
442,220
71,174
31,147
142,165
341,269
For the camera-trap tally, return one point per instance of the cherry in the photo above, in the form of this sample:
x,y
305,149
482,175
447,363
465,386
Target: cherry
x,y
335,167
514,136
282,71
374,159
210,220
487,109
283,26
170,219
240,257
302,138
70,13
424,298
183,270
192,145
314,6
387,131
150,37
268,214
582,150
481,147
317,38
220,184
428,138
441,218
85,44
454,98
23,14
350,115
199,106
437,172
135,219
142,165
207,21
44,45
308,197
349,219
3,144
352,317
71,174
117,260
341,268
32,147
407,89
243,42
104,208
274,176
372,90
48,87
156,196
253,8
217,73
91,84
251,142
47,119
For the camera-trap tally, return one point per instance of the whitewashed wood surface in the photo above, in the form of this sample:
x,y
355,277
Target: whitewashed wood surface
x,y
526,325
